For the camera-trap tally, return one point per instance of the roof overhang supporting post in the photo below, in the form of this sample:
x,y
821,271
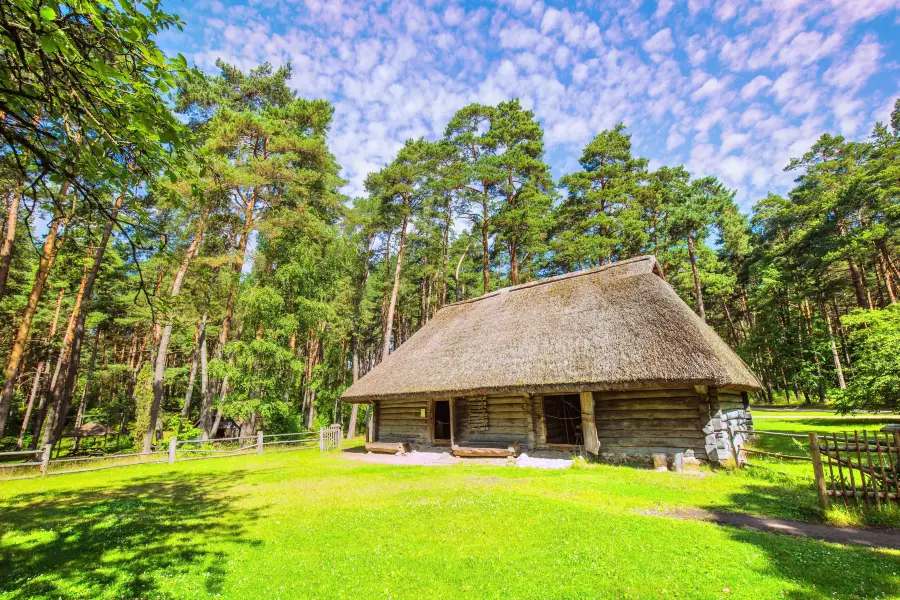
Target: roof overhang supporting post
x,y
452,425
589,424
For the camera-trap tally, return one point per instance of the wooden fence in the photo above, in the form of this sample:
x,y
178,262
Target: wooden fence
x,y
38,463
863,469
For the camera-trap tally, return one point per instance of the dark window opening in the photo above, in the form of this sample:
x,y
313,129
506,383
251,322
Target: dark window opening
x,y
442,420
562,418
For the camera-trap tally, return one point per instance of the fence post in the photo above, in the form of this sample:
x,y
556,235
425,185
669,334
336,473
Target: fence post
x,y
339,433
818,471
172,442
321,439
45,459
259,442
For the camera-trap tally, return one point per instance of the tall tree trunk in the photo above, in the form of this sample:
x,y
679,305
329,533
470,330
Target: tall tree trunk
x,y
886,275
893,271
385,296
354,341
485,224
206,399
834,351
313,348
845,347
195,359
48,255
41,371
236,268
160,367
351,428
59,404
12,218
456,275
513,261
82,405
698,293
448,221
395,289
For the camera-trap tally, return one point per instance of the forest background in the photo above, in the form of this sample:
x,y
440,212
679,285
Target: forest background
x,y
178,251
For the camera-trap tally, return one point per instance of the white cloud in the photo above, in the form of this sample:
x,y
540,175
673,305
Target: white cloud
x,y
674,140
857,69
663,8
518,36
743,91
759,83
710,87
726,10
551,19
732,140
454,15
660,42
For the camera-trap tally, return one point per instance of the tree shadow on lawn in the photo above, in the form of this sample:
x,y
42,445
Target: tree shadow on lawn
x,y
818,568
120,541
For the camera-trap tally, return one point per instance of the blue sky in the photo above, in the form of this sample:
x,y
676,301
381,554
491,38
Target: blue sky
x,y
732,89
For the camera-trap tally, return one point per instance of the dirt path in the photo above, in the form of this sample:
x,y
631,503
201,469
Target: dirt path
x,y
871,537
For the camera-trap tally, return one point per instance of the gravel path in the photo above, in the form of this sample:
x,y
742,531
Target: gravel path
x,y
871,537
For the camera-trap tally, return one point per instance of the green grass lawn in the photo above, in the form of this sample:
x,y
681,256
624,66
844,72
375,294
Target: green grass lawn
x,y
304,524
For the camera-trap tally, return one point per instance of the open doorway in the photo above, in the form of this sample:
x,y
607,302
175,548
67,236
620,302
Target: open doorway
x,y
562,419
442,420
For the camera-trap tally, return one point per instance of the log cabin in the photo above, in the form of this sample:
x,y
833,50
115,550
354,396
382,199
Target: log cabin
x,y
608,362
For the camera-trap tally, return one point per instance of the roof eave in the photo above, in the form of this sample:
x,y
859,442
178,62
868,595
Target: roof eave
x,y
556,388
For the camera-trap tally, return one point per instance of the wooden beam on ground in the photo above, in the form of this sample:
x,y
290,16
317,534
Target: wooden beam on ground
x,y
589,424
387,447
471,452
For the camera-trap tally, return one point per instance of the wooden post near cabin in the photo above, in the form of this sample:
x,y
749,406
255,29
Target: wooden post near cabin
x,y
588,424
818,471
452,422
259,442
172,442
375,418
45,459
321,439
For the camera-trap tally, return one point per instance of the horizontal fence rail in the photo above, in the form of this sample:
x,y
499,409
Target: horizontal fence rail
x,y
327,439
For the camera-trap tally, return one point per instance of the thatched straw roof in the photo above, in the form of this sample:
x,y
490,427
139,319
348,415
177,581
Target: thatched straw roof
x,y
619,326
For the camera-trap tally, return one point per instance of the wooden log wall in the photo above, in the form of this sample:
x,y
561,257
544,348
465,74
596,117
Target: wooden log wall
x,y
629,423
643,422
508,420
403,421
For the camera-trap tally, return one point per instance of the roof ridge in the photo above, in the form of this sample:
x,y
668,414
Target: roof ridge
x,y
562,277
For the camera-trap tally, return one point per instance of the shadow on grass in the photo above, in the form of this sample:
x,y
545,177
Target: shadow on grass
x,y
817,568
822,570
121,542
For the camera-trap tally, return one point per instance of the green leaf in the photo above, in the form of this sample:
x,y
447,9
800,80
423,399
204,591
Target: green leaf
x,y
48,44
48,14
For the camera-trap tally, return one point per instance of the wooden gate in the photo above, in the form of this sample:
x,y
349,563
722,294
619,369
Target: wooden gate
x,y
330,438
862,469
